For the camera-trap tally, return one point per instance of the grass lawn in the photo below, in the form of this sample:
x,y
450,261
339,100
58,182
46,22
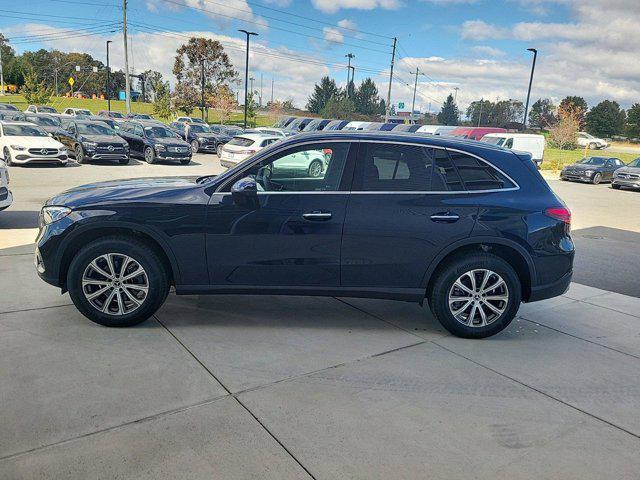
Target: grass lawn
x,y
555,159
60,103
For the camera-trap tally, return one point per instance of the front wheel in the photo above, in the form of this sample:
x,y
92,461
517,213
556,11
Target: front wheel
x,y
79,153
593,146
475,296
7,157
597,178
219,150
117,281
195,146
149,155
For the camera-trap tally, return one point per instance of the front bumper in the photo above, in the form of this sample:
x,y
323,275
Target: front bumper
x,y
624,182
165,155
576,177
208,147
6,198
24,158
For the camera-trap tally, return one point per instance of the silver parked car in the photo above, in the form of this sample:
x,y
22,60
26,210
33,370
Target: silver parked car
x,y
627,176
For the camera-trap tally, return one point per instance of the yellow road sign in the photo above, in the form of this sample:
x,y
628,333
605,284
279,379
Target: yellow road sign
x,y
71,81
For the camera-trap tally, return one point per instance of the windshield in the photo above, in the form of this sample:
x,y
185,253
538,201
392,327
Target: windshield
x,y
592,161
233,131
8,106
280,123
94,129
494,140
635,163
45,109
44,121
116,115
142,116
312,126
159,132
295,125
24,131
82,112
199,128
241,142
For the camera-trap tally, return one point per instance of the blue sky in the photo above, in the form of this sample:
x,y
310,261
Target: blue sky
x,y
478,46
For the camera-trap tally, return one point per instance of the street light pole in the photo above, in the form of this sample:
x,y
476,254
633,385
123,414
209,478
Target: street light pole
x,y
108,79
127,81
1,74
202,86
415,89
533,67
349,56
246,74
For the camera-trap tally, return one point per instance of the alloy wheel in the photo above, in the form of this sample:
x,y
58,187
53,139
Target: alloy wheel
x,y
478,298
194,146
148,155
115,284
315,169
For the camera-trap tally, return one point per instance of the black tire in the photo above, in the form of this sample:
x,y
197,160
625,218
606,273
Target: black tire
x,y
124,161
593,146
149,155
7,157
314,171
79,154
219,150
156,274
615,187
449,273
185,161
597,178
195,146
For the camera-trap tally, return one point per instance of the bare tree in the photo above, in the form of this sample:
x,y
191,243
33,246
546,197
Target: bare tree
x,y
223,102
564,134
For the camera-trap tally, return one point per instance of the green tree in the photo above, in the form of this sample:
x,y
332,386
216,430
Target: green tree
x,y
252,107
185,98
366,98
162,105
542,114
153,82
577,105
200,54
633,121
449,114
338,107
34,91
606,119
322,93
479,111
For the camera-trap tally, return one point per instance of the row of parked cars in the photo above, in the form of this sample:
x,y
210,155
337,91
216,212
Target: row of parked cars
x,y
42,135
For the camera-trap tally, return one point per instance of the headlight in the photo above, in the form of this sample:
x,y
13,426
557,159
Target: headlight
x,y
588,173
160,147
91,145
53,214
17,147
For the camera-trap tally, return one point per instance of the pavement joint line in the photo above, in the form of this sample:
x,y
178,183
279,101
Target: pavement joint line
x,y
15,254
35,308
264,427
613,309
580,338
141,420
541,392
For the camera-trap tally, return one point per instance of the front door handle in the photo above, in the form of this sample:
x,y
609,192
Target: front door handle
x,y
445,217
317,216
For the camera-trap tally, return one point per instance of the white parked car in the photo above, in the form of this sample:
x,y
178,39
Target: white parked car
x,y
5,194
24,142
74,112
522,142
276,132
594,143
41,109
243,146
356,125
436,129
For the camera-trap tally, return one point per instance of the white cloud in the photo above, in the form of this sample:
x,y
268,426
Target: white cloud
x,y
222,12
332,6
490,51
332,35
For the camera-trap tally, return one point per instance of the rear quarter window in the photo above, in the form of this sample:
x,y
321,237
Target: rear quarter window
x,y
475,174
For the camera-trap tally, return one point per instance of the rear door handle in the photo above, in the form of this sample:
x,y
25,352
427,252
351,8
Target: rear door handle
x,y
445,217
316,216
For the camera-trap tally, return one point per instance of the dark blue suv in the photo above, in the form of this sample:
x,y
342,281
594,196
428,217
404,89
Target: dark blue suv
x,y
471,228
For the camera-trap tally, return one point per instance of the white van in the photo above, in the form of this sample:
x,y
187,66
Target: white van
x,y
356,126
522,142
436,129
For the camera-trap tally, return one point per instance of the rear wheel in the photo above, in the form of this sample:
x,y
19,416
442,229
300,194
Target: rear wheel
x,y
315,169
117,281
475,296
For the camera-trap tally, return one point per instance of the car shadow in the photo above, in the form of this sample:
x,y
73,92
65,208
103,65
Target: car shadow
x,y
16,219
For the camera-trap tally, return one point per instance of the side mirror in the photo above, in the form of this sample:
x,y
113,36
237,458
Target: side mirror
x,y
245,192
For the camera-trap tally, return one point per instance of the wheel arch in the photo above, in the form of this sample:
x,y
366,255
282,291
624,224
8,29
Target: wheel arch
x,y
86,235
510,251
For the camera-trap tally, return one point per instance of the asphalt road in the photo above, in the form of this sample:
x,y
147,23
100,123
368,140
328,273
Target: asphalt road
x,y
606,222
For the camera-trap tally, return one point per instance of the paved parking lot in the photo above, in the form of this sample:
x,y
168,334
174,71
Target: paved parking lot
x,y
295,387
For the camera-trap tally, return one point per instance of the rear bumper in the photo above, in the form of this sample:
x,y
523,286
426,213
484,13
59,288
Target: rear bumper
x,y
550,290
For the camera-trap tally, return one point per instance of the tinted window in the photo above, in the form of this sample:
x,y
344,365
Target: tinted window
x,y
394,168
476,174
241,142
445,175
24,131
94,129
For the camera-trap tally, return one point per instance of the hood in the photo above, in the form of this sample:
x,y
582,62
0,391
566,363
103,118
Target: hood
x,y
580,167
172,141
206,135
113,139
34,142
635,170
134,190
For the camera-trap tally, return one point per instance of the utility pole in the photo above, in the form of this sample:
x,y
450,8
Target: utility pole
x,y
1,74
480,116
415,88
533,67
108,89
272,91
260,90
202,86
349,56
246,74
353,74
455,95
127,80
393,59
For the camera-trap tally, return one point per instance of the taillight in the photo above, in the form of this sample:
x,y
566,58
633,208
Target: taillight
x,y
246,152
559,213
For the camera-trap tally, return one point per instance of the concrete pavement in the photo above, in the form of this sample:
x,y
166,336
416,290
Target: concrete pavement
x,y
325,388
